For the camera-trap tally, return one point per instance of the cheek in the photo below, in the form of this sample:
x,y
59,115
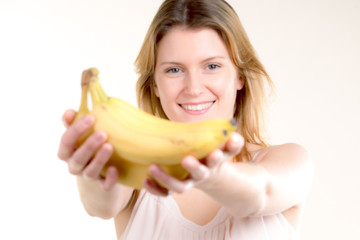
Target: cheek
x,y
164,90
229,94
225,88
167,94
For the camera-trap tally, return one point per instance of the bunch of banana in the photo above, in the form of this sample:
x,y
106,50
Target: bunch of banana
x,y
140,139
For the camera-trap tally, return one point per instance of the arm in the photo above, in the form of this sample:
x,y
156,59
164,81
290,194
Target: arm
x,y
102,203
278,181
101,197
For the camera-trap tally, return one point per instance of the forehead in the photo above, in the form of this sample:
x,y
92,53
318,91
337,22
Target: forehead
x,y
184,43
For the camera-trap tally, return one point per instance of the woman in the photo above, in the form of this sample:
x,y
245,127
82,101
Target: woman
x,y
196,63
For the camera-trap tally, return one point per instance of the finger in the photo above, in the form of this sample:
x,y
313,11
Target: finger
x,y
83,154
152,187
234,145
93,170
111,178
215,158
197,170
72,134
166,180
68,117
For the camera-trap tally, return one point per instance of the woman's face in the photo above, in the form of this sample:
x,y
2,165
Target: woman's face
x,y
194,76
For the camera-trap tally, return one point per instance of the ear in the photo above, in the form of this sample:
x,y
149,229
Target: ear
x,y
240,83
156,90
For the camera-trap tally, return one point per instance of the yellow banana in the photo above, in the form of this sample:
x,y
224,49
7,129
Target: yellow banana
x,y
140,139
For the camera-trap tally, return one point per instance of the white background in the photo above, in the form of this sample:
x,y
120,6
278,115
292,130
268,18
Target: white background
x,y
310,48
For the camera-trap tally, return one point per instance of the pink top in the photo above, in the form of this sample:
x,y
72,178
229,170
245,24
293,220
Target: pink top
x,y
158,218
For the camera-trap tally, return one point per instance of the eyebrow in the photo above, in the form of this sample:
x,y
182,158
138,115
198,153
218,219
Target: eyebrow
x,y
205,60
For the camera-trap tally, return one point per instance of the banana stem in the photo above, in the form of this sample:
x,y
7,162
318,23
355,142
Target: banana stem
x,y
97,92
84,100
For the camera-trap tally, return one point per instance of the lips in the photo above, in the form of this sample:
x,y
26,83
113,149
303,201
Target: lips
x,y
199,107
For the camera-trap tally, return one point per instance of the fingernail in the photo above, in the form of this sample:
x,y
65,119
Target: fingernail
x,y
100,136
88,120
235,138
204,169
189,185
152,168
219,154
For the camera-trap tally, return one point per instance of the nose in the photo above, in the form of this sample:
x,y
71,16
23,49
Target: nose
x,y
193,83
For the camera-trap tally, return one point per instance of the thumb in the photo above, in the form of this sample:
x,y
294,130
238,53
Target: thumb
x,y
68,117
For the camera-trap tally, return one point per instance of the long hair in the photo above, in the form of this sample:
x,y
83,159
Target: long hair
x,y
221,17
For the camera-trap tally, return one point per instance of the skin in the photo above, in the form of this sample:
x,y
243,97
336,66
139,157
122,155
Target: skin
x,y
195,80
194,68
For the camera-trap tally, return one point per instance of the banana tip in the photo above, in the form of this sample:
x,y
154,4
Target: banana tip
x,y
233,122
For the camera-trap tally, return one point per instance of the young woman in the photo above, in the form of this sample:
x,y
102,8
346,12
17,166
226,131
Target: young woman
x,y
197,63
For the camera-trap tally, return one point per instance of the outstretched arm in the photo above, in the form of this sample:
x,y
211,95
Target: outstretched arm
x,y
277,180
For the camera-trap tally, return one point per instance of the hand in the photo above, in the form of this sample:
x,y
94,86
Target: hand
x,y
201,171
89,159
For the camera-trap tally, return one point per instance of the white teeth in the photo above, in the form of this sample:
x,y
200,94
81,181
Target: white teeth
x,y
197,107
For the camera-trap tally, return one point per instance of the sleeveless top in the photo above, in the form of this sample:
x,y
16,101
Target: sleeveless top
x,y
157,218
160,218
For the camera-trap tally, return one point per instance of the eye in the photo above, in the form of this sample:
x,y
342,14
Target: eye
x,y
173,70
213,66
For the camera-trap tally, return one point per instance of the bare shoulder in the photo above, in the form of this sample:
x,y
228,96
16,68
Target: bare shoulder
x,y
290,149
291,161
283,152
291,164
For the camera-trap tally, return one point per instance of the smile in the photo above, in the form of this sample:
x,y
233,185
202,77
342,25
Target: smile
x,y
197,107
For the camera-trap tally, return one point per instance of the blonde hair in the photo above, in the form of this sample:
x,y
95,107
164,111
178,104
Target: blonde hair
x,y
221,17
